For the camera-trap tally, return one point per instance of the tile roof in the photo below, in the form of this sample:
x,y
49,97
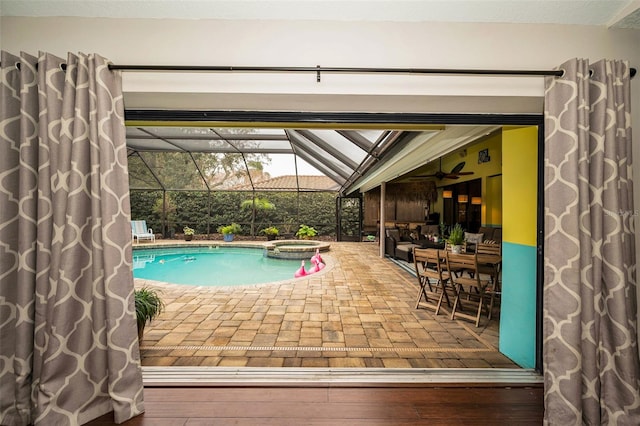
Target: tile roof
x,y
284,183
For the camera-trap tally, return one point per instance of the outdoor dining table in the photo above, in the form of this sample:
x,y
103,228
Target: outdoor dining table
x,y
494,261
491,262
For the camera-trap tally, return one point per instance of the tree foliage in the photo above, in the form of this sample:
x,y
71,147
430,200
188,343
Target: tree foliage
x,y
256,205
200,170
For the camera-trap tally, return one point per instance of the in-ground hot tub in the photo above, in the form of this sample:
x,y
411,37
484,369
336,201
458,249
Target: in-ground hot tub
x,y
295,249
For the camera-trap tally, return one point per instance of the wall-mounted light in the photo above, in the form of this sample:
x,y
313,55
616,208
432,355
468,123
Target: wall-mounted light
x,y
463,198
476,200
447,194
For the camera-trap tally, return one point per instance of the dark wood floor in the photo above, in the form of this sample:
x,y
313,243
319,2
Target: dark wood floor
x,y
330,405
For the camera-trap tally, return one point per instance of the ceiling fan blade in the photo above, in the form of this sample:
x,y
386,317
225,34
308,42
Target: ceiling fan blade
x,y
458,168
464,173
450,176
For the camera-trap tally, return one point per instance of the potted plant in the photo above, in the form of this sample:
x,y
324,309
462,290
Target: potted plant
x,y
188,233
148,306
456,238
306,232
271,232
228,231
443,229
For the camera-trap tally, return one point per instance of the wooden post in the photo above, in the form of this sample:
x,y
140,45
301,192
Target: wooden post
x,y
383,190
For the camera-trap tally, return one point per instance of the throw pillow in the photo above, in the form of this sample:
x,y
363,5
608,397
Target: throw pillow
x,y
473,238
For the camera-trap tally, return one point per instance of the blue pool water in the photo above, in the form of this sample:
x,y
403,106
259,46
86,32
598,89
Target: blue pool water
x,y
211,266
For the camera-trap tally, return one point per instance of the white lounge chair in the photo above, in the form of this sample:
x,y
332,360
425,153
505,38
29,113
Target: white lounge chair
x,y
140,231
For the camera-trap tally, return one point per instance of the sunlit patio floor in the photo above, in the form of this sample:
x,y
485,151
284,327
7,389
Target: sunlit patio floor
x,y
357,312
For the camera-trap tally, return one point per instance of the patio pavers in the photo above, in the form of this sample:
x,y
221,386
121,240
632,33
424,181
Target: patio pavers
x,y
357,312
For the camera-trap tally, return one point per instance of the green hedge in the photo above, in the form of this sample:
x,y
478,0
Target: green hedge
x,y
205,213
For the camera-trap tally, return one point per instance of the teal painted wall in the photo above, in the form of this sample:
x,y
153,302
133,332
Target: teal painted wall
x,y
519,255
518,308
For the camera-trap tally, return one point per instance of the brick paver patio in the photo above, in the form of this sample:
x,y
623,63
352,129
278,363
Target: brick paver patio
x,y
357,312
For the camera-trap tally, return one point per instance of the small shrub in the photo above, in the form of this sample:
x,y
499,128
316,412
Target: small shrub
x,y
234,228
272,230
305,232
148,306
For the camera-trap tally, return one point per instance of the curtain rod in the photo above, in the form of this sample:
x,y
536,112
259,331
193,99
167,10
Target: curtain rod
x,y
344,70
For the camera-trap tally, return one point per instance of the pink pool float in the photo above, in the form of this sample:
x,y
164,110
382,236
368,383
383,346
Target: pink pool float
x,y
301,272
317,266
317,257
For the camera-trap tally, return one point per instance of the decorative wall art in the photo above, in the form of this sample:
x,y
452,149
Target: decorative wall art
x,y
483,156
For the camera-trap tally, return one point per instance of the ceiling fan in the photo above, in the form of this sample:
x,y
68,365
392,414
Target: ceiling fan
x,y
455,173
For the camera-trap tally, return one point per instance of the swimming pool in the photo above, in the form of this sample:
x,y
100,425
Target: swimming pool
x,y
211,266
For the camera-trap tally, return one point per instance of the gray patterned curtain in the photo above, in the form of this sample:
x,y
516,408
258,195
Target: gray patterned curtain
x,y
591,367
68,345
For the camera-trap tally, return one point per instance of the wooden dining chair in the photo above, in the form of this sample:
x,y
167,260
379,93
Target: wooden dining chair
x,y
491,249
493,270
429,265
448,248
470,284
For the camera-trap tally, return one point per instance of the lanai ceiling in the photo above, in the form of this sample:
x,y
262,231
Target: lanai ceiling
x,y
294,159
259,156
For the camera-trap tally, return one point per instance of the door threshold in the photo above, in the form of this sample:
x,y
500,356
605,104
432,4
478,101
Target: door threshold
x,y
297,376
